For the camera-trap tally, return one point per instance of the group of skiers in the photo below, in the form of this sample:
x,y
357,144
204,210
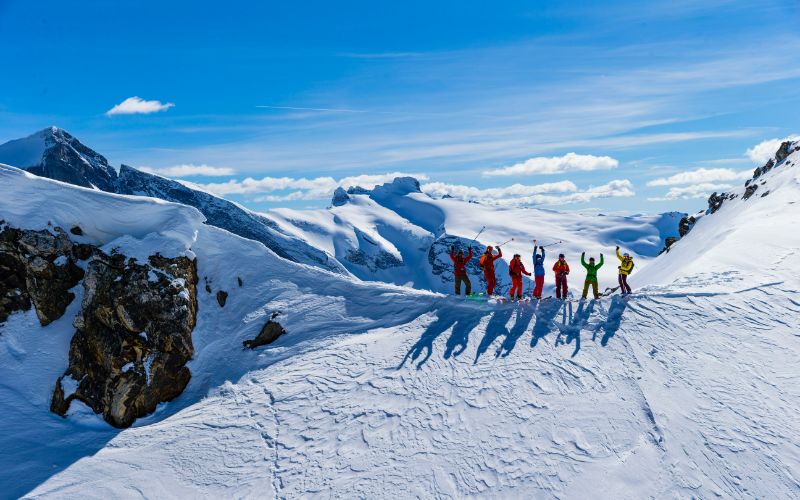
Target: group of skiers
x,y
516,269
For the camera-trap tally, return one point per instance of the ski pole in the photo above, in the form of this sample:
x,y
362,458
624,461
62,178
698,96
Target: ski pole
x,y
503,243
479,233
551,244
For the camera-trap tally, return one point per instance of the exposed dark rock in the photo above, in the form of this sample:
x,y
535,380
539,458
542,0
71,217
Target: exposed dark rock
x,y
133,337
764,194
239,279
269,333
715,201
222,297
784,151
76,230
685,225
668,242
358,190
749,191
60,156
36,267
339,197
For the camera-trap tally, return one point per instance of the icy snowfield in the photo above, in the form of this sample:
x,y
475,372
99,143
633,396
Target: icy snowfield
x,y
688,388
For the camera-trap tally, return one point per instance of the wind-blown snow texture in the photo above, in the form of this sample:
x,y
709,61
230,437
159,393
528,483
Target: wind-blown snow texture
x,y
687,389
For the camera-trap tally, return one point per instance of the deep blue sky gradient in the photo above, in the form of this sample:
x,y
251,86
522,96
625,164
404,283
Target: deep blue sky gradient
x,y
445,88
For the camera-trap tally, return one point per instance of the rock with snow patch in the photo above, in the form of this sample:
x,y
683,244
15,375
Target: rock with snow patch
x,y
39,268
133,337
269,333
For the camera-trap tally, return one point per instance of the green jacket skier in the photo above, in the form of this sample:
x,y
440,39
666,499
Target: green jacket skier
x,y
591,274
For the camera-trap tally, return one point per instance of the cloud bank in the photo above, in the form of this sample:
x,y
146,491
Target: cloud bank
x,y
189,170
317,188
694,191
702,175
556,193
570,162
138,106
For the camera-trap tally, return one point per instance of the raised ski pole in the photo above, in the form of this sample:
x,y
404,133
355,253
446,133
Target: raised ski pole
x,y
503,243
476,236
551,244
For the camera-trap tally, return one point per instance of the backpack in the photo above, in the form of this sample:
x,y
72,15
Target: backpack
x,y
482,261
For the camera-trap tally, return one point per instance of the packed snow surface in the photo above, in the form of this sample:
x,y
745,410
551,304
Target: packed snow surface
x,y
686,389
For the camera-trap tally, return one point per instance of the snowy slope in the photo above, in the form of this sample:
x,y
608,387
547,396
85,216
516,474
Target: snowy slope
x,y
687,389
397,234
747,240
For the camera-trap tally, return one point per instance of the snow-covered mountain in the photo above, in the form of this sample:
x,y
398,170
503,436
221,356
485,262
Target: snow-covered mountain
x,y
687,389
396,233
56,154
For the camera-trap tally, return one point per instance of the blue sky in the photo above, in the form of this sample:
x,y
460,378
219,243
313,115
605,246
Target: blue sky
x,y
580,105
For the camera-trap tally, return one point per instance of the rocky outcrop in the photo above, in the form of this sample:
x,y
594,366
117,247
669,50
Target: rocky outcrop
x,y
222,298
340,197
38,268
133,337
269,333
685,225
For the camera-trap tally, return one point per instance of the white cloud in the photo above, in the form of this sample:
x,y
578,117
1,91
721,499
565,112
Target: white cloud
x,y
188,170
542,194
439,189
702,190
136,105
570,162
317,188
702,175
763,151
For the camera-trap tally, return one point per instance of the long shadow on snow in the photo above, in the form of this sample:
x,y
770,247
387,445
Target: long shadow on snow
x,y
613,320
571,327
497,328
462,319
545,314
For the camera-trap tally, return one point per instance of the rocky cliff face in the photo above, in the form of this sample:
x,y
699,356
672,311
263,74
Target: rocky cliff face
x,y
133,337
38,268
133,333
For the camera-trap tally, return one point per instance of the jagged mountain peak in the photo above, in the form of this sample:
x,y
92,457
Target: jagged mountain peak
x,y
55,153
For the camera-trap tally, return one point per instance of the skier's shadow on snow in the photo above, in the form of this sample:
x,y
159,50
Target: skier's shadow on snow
x,y
570,328
461,321
613,319
546,312
497,327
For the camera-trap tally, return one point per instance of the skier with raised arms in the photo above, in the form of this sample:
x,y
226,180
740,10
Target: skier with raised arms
x,y
625,269
538,271
516,269
591,275
561,270
460,270
487,264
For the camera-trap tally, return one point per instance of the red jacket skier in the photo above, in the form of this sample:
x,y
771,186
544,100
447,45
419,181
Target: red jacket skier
x,y
460,270
516,269
487,264
561,270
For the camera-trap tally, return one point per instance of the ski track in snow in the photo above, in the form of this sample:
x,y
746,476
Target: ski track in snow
x,y
470,400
